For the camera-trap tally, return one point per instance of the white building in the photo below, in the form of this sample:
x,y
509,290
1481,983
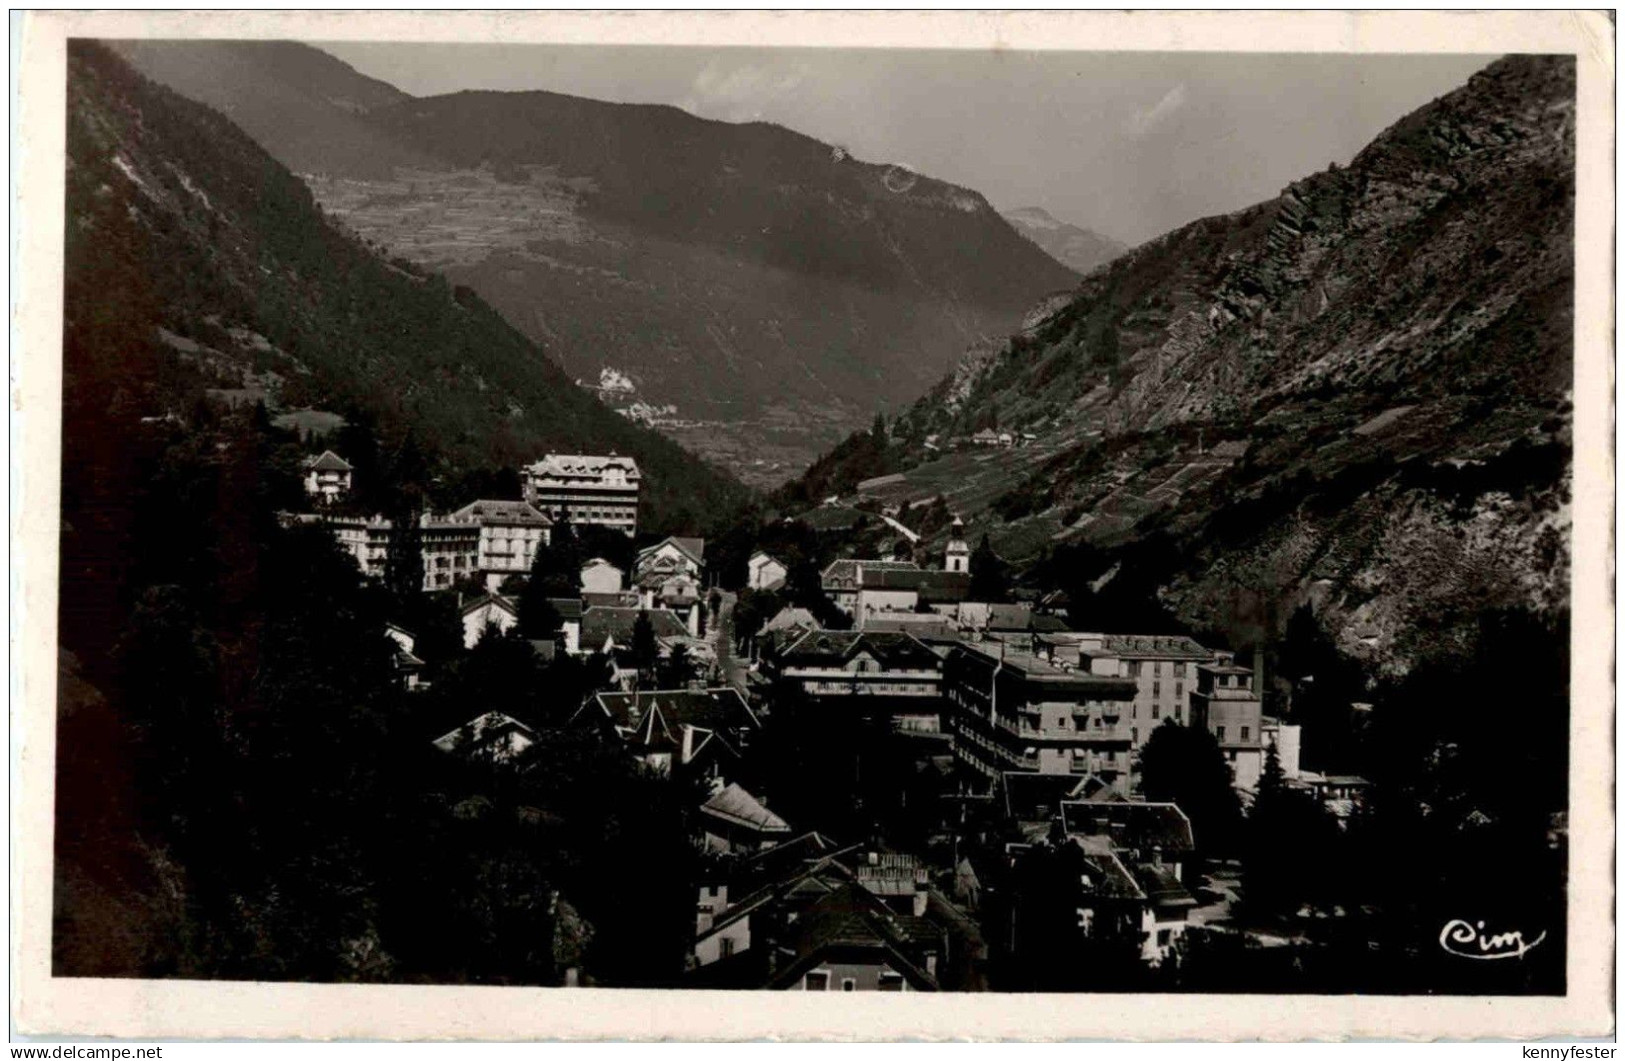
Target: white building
x,y
510,534
328,477
585,488
764,572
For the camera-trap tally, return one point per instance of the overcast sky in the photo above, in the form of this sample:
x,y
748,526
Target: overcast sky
x,y
1128,144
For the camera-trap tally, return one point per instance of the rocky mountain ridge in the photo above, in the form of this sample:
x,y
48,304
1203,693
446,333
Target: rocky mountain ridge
x,y
1072,246
1355,396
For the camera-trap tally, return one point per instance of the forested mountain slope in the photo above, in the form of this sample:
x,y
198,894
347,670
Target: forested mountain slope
x,y
195,260
763,284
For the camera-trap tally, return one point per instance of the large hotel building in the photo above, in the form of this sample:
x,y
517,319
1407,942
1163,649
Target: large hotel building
x,y
585,488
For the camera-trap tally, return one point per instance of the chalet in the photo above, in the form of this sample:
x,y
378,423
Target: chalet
x,y
733,822
698,732
600,576
765,573
328,477
489,610
672,556
492,738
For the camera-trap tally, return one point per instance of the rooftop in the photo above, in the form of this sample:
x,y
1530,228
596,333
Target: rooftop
x,y
1132,825
599,624
897,650
738,807
502,512
1145,646
328,461
583,464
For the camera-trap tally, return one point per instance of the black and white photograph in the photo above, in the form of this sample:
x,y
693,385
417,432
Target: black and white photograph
x,y
1036,521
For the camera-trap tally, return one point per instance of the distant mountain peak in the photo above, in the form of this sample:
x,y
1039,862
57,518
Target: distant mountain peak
x,y
1076,248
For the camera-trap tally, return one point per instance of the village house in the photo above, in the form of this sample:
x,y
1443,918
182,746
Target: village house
x,y
698,732
600,576
585,488
510,534
491,610
1154,843
328,477
804,917
669,575
407,665
842,579
763,572
1225,704
605,629
1013,711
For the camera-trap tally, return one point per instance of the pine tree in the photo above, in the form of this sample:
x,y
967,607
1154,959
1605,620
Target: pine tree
x,y
645,649
989,578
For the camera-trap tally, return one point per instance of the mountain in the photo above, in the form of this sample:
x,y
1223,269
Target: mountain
x,y
195,261
303,106
1355,396
762,292
1076,248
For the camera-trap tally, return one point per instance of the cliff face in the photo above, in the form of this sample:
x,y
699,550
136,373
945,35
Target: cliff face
x,y
1354,395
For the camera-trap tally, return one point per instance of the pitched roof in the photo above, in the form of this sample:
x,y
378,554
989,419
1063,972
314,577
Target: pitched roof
x,y
738,807
850,570
713,709
892,650
328,461
495,600
1105,872
765,557
851,919
1034,797
493,736
502,512
601,624
790,619
1139,826
944,587
598,561
1162,885
693,548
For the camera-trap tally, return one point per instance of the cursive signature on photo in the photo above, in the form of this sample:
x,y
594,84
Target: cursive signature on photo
x,y
1468,939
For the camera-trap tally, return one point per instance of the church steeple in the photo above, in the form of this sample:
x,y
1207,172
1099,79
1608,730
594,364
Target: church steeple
x,y
957,557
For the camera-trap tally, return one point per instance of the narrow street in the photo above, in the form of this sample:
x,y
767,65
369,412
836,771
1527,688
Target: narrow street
x,y
733,669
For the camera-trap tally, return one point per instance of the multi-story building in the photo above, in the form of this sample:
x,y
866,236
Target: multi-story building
x,y
1013,711
366,539
328,477
510,534
843,579
585,488
1225,704
1163,669
853,663
451,550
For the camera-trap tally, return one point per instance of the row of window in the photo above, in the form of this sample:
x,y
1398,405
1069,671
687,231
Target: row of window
x,y
819,979
1159,667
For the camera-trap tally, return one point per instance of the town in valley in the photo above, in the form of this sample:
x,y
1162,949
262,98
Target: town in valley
x,y
1043,613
